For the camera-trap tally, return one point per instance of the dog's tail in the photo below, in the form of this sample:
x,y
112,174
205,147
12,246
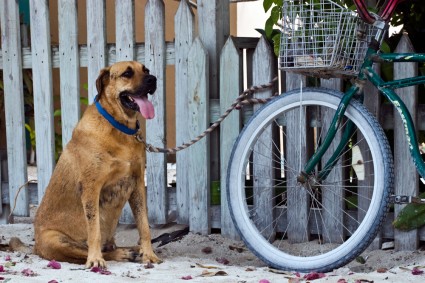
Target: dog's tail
x,y
16,245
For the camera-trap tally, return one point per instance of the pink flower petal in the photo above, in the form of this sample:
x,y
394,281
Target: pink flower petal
x,y
264,281
53,281
28,272
1,268
188,277
54,264
314,275
100,270
7,258
417,271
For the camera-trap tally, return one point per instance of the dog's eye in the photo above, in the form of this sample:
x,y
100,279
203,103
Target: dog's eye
x,y
145,70
128,74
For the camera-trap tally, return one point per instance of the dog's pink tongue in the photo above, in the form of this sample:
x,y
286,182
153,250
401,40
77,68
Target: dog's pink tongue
x,y
146,107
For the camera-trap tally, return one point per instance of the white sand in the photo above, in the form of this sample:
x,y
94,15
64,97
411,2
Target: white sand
x,y
182,258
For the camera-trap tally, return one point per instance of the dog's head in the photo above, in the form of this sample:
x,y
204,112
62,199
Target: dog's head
x,y
127,84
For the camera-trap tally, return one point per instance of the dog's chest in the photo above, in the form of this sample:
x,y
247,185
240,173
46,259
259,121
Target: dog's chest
x,y
117,194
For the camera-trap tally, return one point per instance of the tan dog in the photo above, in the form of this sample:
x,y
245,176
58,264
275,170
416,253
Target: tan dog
x,y
100,170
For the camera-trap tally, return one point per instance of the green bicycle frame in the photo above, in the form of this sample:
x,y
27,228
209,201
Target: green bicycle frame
x,y
386,88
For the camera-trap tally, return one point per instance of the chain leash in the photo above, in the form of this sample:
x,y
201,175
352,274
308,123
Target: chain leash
x,y
241,100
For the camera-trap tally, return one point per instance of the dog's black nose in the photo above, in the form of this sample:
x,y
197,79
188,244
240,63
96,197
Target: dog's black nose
x,y
149,80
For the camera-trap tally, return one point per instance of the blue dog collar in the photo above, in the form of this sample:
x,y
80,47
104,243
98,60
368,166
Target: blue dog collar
x,y
117,125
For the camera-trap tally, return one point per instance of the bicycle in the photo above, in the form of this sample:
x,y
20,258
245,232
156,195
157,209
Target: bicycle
x,y
313,165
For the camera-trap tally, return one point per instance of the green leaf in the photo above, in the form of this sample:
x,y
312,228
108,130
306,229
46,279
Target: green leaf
x,y
412,216
267,4
57,113
276,43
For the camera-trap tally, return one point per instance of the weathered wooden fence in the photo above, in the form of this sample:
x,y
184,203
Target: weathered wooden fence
x,y
209,76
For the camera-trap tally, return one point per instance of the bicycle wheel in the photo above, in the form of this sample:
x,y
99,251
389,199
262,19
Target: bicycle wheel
x,y
306,222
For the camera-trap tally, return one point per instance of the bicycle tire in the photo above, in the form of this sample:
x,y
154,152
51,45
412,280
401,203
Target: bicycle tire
x,y
260,203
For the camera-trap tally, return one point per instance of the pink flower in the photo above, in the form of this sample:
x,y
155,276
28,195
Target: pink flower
x,y
1,268
101,271
264,281
28,272
314,275
188,277
54,264
7,258
417,271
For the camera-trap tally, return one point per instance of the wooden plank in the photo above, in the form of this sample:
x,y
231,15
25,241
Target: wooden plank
x,y
199,175
14,103
230,87
263,67
296,131
155,128
184,34
96,43
124,30
69,67
214,28
406,179
124,27
43,92
1,202
333,196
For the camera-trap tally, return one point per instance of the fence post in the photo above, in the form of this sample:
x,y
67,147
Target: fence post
x,y
43,92
184,33
124,27
230,87
14,103
155,128
96,43
333,197
296,131
406,179
263,68
69,68
214,28
199,170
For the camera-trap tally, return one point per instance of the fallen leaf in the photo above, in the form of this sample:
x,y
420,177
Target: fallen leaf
x,y
207,273
382,270
188,277
222,260
250,269
295,280
54,264
207,250
235,248
314,275
206,266
361,259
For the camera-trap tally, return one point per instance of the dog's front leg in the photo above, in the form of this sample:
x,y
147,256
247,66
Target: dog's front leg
x,y
90,201
138,204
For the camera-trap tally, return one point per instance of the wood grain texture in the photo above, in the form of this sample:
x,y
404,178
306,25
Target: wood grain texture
x,y
43,92
184,23
199,170
69,64
406,177
230,87
14,103
155,128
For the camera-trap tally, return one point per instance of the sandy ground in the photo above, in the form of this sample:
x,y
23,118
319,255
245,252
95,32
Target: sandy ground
x,y
186,258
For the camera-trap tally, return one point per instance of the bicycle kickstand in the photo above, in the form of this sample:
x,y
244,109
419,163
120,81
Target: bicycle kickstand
x,y
399,199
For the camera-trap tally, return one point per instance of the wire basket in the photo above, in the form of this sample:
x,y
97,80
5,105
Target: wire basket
x,y
322,39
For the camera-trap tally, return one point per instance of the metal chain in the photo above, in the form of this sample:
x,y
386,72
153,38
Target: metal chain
x,y
237,104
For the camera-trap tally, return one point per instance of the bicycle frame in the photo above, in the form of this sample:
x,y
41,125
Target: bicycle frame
x,y
387,89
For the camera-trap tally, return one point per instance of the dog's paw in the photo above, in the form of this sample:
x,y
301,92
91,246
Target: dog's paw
x,y
151,257
95,262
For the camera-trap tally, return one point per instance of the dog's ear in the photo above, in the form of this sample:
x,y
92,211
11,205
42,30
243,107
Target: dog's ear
x,y
102,81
